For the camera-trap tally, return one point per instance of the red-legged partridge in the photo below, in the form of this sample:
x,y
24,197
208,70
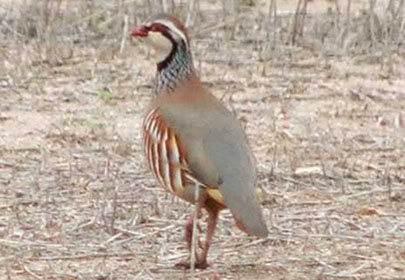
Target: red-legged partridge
x,y
192,141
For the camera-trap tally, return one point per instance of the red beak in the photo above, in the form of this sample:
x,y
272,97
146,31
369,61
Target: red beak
x,y
140,31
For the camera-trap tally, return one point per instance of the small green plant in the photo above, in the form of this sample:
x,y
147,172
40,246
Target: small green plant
x,y
107,96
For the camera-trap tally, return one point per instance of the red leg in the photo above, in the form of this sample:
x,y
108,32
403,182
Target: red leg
x,y
189,239
189,231
212,224
201,259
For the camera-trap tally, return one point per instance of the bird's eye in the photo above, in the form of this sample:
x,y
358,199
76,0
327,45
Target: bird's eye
x,y
156,27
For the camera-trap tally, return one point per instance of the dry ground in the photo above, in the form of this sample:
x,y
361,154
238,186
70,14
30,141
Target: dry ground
x,y
77,201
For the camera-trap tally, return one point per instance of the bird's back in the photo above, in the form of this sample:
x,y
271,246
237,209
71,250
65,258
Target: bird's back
x,y
218,152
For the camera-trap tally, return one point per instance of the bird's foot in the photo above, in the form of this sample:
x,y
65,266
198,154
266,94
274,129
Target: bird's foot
x,y
187,265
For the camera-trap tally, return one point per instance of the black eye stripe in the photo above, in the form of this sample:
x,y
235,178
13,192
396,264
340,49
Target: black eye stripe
x,y
157,27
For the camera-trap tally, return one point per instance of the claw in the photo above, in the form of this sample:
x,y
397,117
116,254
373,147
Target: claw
x,y
186,265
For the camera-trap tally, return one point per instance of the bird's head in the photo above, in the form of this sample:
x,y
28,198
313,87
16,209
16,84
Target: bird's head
x,y
166,35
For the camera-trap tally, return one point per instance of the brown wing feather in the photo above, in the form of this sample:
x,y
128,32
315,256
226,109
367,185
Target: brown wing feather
x,y
166,155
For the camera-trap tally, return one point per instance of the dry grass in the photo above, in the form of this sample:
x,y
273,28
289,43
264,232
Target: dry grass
x,y
325,120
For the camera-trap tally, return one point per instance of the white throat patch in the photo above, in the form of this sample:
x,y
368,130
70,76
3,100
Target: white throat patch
x,y
161,45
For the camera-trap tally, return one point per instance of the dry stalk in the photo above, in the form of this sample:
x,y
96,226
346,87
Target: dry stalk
x,y
114,212
192,10
83,257
298,21
29,271
345,30
213,28
372,23
124,35
195,237
273,22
